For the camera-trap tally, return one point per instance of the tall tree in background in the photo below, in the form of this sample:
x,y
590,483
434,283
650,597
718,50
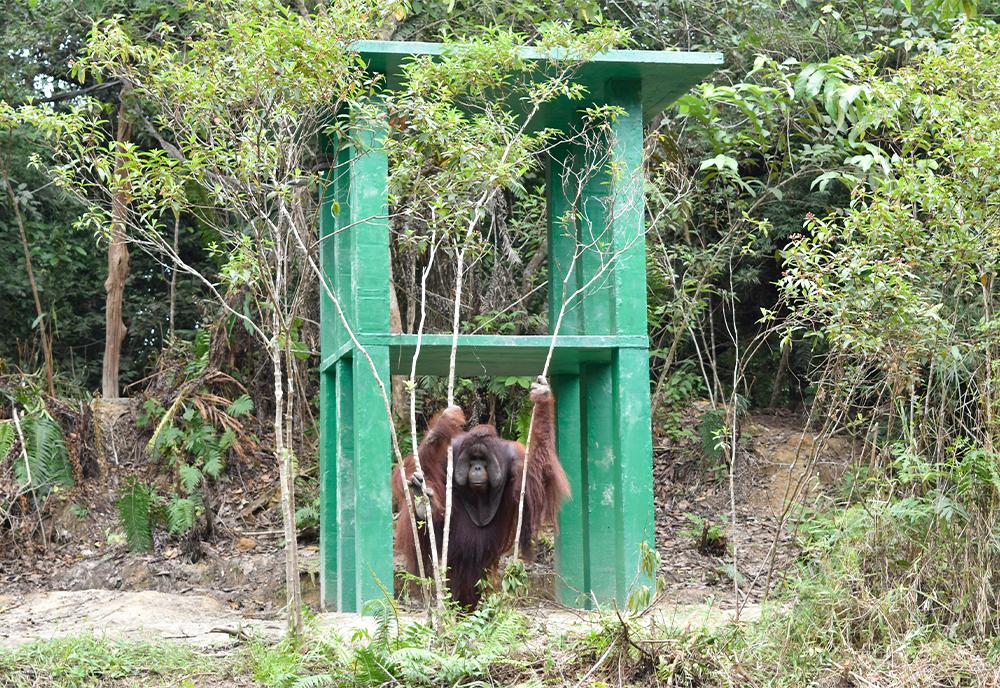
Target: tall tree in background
x,y
82,335
114,285
44,336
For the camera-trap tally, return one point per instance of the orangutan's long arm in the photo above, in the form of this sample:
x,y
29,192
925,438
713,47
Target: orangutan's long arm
x,y
444,428
543,461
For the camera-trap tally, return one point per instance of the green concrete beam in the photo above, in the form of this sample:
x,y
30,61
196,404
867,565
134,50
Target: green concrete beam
x,y
491,354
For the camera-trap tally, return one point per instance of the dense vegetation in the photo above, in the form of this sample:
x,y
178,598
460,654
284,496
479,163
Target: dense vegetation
x,y
822,237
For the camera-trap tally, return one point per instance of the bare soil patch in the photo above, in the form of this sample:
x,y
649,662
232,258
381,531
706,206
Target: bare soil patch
x,y
196,619
778,462
204,621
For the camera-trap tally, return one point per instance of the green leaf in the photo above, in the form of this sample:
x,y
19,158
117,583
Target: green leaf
x,y
227,440
213,463
7,435
181,515
720,162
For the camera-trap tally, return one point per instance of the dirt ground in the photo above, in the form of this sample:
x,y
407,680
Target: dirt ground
x,y
778,464
209,593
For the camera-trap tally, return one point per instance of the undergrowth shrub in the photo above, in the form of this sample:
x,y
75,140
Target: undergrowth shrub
x,y
901,290
683,385
193,437
83,661
460,650
921,553
455,653
34,463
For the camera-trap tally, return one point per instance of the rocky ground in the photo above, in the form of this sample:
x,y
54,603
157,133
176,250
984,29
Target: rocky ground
x,y
202,620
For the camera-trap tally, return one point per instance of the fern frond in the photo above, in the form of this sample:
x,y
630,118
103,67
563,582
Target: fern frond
x,y
307,515
240,406
213,462
190,477
227,440
199,360
198,436
134,515
385,613
315,681
47,460
7,437
181,515
165,439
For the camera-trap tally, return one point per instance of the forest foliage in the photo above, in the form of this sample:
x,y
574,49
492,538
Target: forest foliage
x,y
822,236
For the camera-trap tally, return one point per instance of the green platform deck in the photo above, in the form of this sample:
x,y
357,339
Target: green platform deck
x,y
600,370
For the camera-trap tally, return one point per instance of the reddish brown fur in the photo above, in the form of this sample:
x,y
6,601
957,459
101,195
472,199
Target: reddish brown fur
x,y
474,551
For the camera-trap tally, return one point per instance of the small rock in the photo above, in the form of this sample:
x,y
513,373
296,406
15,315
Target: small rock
x,y
245,544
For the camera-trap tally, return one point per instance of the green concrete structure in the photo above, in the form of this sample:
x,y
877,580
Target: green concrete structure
x,y
600,368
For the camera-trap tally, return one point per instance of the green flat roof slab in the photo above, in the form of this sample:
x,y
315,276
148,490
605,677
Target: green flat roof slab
x,y
665,74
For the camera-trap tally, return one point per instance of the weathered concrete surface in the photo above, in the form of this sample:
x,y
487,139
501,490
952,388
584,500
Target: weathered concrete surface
x,y
204,621
195,619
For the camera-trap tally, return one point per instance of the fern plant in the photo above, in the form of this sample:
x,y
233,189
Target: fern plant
x,y
307,515
195,447
460,651
47,463
182,514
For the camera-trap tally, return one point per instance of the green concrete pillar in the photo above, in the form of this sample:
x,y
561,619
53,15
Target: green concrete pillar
x,y
630,367
355,495
572,552
596,237
345,489
331,337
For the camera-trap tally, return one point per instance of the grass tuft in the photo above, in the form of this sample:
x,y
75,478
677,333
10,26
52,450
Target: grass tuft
x,y
84,661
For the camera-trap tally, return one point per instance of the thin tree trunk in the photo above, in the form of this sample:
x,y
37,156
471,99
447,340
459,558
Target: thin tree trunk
x,y
779,378
293,593
39,313
411,293
396,327
173,276
450,471
668,363
114,285
987,282
437,572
